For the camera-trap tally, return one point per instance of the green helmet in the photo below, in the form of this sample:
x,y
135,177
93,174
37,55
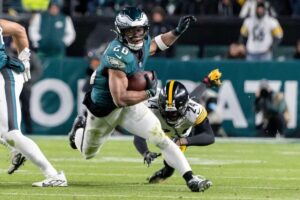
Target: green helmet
x,y
126,23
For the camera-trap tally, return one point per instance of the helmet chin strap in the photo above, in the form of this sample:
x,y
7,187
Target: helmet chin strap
x,y
135,47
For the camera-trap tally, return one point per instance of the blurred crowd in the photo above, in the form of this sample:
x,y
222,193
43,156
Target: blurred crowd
x,y
241,8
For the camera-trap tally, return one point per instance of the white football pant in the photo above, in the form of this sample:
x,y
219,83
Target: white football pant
x,y
11,85
138,120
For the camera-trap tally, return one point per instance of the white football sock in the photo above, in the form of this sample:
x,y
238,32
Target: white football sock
x,y
79,139
175,158
30,150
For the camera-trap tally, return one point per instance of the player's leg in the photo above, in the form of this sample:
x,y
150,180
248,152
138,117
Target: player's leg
x,y
162,174
139,120
89,139
11,84
17,159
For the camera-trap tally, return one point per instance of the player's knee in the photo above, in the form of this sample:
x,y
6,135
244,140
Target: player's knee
x,y
12,137
160,140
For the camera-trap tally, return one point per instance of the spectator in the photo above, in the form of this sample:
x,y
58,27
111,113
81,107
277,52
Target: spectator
x,y
158,26
249,8
51,32
225,8
297,54
36,72
272,108
261,34
236,51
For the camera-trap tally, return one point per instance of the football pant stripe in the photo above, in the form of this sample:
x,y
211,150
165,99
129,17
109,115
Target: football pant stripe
x,y
10,99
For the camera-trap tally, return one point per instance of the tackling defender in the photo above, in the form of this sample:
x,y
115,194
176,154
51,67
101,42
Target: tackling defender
x,y
182,119
110,104
13,73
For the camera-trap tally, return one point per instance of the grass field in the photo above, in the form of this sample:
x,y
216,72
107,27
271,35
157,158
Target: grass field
x,y
239,169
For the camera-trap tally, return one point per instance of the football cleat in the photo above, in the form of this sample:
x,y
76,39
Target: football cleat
x,y
197,184
78,123
58,180
16,161
160,175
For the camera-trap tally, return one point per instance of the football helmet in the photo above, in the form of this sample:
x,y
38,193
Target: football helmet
x,y
173,101
132,27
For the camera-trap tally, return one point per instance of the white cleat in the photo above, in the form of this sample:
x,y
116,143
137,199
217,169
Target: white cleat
x,y
59,180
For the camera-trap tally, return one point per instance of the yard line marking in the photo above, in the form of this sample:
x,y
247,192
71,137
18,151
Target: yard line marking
x,y
192,160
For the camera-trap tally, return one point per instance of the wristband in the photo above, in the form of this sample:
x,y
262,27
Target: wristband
x,y
160,43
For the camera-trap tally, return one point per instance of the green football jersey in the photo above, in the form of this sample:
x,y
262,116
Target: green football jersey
x,y
120,57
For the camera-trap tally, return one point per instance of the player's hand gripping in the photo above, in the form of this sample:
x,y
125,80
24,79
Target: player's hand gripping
x,y
213,79
150,156
184,23
151,88
24,56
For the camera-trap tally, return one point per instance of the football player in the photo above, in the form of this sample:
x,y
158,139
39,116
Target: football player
x,y
110,104
13,74
182,119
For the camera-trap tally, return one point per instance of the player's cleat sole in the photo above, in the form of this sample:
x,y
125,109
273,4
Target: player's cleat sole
x,y
59,180
197,184
78,123
17,161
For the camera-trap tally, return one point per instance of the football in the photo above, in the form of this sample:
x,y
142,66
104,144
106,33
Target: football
x,y
137,82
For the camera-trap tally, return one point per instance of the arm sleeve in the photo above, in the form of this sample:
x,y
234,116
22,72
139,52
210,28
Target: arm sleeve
x,y
70,34
197,92
34,30
140,145
202,135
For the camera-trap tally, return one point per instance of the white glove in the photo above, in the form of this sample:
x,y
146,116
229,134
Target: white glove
x,y
24,56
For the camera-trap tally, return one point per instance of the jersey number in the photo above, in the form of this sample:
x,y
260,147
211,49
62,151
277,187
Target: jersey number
x,y
124,50
258,34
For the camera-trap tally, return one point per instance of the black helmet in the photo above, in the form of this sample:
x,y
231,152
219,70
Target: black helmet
x,y
173,101
131,17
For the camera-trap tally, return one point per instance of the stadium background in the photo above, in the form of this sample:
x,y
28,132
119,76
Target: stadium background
x,y
57,95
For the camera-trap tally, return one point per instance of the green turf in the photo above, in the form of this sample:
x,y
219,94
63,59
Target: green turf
x,y
238,169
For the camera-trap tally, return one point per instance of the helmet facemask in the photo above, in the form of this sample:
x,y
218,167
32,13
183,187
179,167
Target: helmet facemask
x,y
173,114
134,37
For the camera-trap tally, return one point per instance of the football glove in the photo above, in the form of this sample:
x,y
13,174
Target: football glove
x,y
183,24
24,56
151,87
150,156
213,78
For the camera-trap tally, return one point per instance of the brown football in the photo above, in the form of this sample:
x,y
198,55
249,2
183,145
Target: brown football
x,y
137,82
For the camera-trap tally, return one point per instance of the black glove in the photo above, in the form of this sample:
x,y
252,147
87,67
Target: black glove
x,y
150,156
151,87
184,24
